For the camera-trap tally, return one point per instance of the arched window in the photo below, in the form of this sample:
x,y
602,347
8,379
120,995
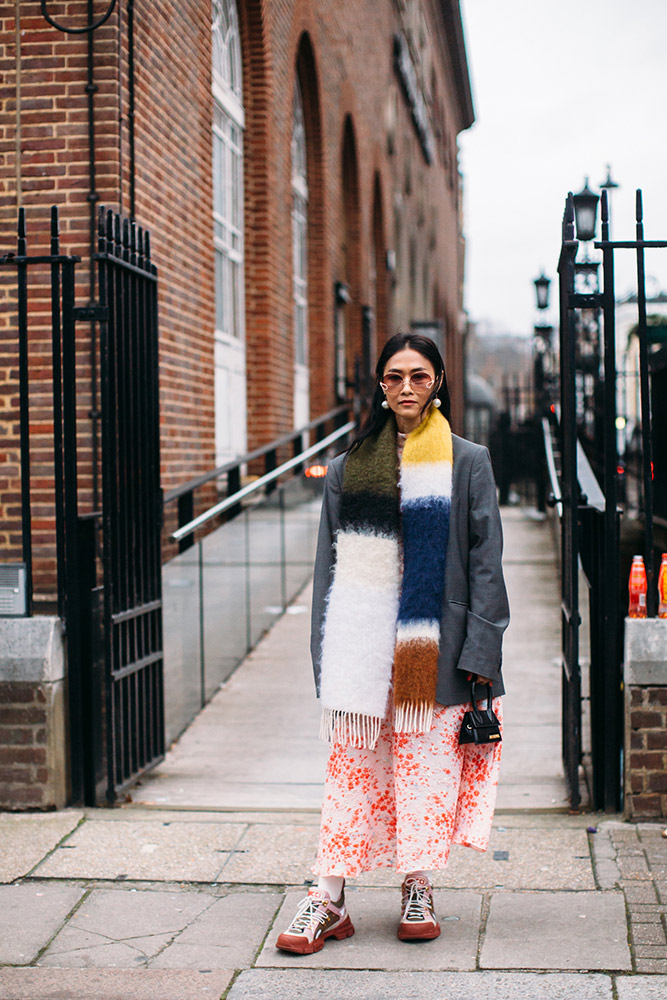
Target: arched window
x,y
228,122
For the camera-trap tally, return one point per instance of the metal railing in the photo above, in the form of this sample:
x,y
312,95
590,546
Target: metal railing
x,y
229,474
227,586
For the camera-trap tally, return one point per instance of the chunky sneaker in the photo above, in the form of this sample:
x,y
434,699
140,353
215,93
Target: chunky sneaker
x,y
418,922
317,918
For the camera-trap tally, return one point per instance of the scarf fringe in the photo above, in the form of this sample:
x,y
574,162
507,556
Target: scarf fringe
x,y
351,728
415,717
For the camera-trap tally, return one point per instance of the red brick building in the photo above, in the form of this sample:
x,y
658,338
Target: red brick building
x,y
296,164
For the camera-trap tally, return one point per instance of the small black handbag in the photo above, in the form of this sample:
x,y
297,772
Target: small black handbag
x,y
480,725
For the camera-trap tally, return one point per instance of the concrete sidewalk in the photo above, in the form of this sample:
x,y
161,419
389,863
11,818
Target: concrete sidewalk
x,y
181,894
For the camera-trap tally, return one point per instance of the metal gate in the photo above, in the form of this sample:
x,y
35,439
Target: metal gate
x,y
108,562
132,502
590,512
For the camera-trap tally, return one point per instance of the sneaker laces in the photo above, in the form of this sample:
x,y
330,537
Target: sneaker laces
x,y
418,903
310,910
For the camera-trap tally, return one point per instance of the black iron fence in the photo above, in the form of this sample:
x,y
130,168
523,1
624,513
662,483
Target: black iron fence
x,y
588,479
132,501
108,562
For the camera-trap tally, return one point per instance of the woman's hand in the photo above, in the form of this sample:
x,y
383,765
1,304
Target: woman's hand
x,y
479,679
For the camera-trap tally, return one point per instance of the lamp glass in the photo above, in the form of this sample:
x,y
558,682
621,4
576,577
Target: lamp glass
x,y
542,291
585,213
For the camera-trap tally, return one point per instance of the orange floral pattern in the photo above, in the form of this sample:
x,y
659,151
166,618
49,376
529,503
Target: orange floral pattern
x,y
405,803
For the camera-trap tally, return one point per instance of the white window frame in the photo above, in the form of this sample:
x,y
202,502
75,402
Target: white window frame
x,y
228,193
299,229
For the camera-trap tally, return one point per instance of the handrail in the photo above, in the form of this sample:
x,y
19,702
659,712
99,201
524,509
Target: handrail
x,y
194,484
269,477
551,465
588,484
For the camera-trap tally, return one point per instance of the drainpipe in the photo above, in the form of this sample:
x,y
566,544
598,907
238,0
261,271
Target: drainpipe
x,y
93,198
17,157
130,113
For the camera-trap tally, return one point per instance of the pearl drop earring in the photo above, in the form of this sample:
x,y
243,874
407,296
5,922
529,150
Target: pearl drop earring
x,y
437,403
385,404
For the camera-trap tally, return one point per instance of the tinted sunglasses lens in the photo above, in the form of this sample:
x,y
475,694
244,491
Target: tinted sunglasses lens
x,y
393,381
421,379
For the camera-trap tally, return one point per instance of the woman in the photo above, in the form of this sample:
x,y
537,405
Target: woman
x,y
409,605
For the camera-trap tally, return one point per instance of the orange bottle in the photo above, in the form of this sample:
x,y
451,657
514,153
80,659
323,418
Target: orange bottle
x,y
637,588
662,587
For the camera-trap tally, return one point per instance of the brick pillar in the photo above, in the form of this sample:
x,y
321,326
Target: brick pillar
x,y
645,673
33,744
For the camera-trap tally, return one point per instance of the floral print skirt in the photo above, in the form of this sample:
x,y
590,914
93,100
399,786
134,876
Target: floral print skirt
x,y
404,803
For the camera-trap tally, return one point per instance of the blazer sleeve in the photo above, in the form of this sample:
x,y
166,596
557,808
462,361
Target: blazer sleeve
x,y
488,611
325,559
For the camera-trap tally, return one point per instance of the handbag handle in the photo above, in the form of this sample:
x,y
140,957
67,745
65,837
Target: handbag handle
x,y
474,700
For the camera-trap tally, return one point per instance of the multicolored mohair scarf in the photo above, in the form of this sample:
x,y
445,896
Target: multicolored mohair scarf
x,y
382,634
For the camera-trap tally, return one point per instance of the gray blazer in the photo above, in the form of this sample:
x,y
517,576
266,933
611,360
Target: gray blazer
x,y
476,611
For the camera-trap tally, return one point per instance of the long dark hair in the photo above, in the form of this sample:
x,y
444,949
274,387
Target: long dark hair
x,y
377,416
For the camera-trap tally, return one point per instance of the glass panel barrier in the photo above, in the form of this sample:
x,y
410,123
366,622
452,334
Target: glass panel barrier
x,y
223,594
182,642
224,587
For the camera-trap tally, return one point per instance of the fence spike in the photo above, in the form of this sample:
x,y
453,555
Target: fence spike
x,y
604,214
109,231
639,205
568,218
55,230
118,247
133,242
140,245
604,206
22,247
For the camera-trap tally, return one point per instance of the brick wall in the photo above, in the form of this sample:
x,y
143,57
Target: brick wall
x,y
646,767
343,53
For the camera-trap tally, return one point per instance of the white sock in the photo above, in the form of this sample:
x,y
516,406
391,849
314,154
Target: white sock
x,y
333,884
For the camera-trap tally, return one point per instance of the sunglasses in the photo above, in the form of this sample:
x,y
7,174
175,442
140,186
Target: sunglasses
x,y
418,380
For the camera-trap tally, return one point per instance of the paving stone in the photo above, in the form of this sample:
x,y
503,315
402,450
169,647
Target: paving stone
x,y
633,867
123,927
650,951
647,916
375,914
557,930
156,851
648,933
652,965
27,838
112,984
29,916
227,935
559,861
273,855
258,984
662,890
639,892
641,987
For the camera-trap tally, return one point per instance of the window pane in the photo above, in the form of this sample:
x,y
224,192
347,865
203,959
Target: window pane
x,y
226,45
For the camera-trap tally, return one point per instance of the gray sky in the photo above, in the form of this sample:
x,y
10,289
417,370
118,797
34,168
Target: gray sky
x,y
561,88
